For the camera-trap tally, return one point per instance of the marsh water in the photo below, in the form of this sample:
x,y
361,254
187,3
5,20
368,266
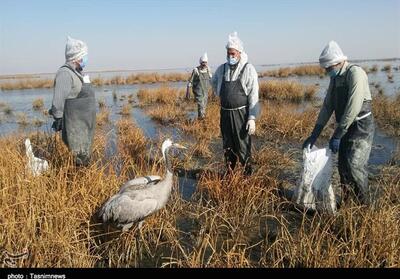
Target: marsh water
x,y
20,102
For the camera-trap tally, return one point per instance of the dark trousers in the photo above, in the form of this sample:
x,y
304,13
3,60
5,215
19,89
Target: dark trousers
x,y
236,141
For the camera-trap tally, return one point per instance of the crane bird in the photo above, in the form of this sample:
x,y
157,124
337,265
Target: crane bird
x,y
140,197
35,165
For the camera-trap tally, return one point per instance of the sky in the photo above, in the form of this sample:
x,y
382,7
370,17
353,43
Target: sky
x,y
169,34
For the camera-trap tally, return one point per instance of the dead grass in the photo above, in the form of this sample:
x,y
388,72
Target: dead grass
x,y
37,122
232,221
160,95
387,68
283,121
126,110
166,114
103,117
6,108
141,78
27,84
387,113
306,70
374,69
22,119
287,90
102,102
38,104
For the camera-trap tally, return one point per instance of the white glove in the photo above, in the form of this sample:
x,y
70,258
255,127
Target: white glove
x,y
86,79
251,127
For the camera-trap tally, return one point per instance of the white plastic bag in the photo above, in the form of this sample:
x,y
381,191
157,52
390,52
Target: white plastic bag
x,y
315,189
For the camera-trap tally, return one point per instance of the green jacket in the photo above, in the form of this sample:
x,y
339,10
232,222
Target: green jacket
x,y
345,96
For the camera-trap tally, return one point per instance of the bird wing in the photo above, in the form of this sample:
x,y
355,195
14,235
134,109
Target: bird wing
x,y
140,182
122,208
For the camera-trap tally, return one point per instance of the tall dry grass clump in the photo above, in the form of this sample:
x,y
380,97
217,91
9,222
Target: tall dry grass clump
x,y
387,68
306,70
103,116
166,114
280,121
387,113
6,108
160,95
286,91
38,104
22,119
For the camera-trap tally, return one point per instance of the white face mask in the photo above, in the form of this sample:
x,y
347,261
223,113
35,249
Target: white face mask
x,y
232,60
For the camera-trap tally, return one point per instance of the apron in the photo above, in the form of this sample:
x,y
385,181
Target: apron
x,y
79,123
234,116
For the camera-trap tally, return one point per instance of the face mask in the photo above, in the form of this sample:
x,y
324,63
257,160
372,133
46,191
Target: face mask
x,y
333,73
84,61
232,60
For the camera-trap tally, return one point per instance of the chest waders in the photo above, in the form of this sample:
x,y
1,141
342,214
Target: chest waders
x,y
355,145
234,115
201,84
79,123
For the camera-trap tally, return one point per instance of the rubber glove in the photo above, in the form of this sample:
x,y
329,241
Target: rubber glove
x,y
251,127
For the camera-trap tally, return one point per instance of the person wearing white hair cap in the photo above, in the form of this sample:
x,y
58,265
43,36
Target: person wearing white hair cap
x,y
74,106
236,84
199,81
349,97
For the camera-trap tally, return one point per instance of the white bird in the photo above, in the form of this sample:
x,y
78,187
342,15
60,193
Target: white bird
x,y
140,197
35,166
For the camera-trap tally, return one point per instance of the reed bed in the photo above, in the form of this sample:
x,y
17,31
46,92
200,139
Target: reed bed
x,y
287,90
27,84
306,70
231,220
283,121
387,113
141,78
160,95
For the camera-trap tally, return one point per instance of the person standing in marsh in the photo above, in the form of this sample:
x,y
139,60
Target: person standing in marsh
x,y
350,98
74,105
236,84
200,81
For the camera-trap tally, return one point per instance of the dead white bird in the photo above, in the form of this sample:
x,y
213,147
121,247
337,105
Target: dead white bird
x,y
140,197
35,165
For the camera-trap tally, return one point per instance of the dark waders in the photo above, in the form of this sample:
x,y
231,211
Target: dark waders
x,y
355,146
200,90
79,124
234,116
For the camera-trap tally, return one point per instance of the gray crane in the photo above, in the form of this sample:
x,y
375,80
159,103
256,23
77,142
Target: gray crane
x,y
140,197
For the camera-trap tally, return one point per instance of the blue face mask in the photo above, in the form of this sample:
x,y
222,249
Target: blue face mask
x,y
84,61
333,73
232,60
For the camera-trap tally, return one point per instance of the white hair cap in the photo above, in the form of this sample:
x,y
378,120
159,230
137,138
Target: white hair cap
x,y
75,49
234,42
204,58
331,55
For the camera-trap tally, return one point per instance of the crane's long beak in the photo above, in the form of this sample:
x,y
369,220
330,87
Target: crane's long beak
x,y
179,146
